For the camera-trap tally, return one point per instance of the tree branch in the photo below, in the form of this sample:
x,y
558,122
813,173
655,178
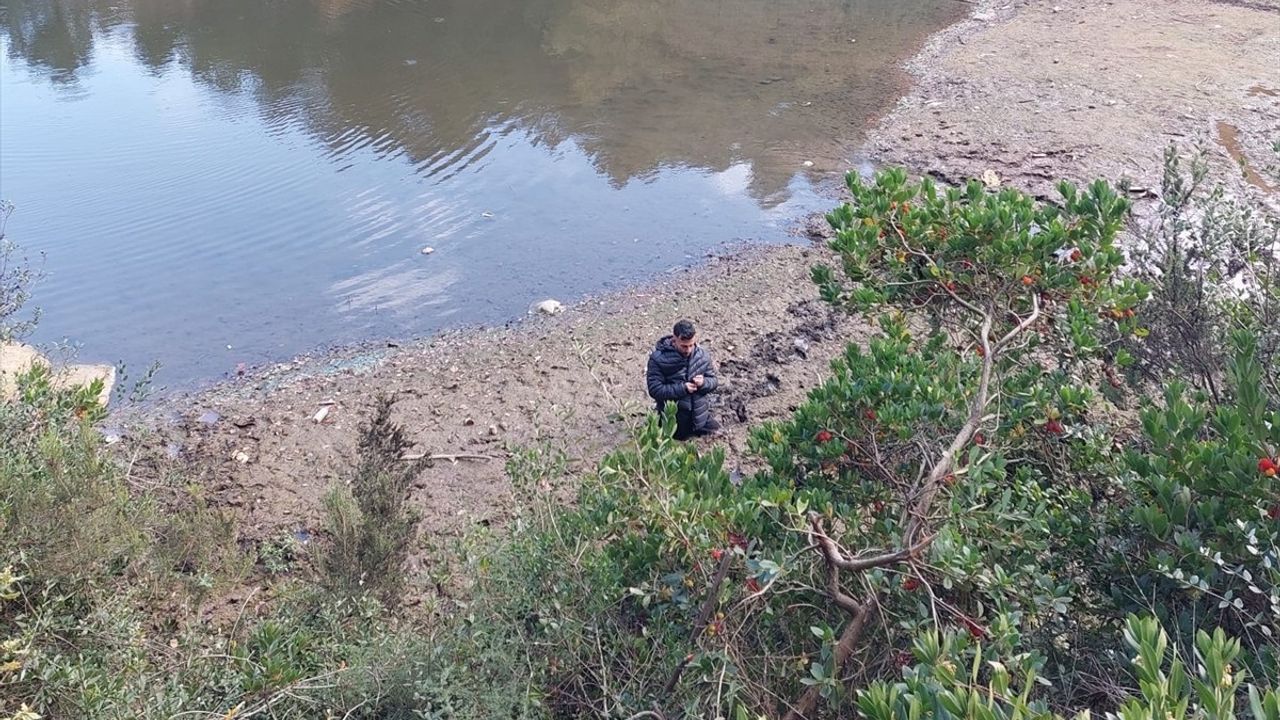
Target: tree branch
x,y
852,632
946,463
1022,326
831,553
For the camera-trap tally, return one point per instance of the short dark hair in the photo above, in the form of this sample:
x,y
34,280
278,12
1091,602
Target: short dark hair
x,y
683,330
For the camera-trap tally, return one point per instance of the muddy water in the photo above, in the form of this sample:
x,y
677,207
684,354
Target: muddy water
x,y
215,182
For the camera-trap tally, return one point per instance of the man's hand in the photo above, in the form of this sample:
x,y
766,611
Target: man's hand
x,y
690,388
698,381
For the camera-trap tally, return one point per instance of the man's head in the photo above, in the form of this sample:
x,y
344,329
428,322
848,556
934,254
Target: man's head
x,y
682,337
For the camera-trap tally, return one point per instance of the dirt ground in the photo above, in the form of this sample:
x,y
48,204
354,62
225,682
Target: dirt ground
x,y
572,382
1033,91
1040,91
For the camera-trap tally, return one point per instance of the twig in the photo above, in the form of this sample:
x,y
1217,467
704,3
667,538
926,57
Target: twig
x,y
581,351
704,615
947,461
831,552
1022,326
713,594
451,457
835,561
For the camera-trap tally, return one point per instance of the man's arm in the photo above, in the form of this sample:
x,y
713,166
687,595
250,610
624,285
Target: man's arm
x,y
709,380
708,375
659,390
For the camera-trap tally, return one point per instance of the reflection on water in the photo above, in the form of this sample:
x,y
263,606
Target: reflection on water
x,y
205,173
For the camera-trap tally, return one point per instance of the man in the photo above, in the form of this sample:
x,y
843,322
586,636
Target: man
x,y
680,371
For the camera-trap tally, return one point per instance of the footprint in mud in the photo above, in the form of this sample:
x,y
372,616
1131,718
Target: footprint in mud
x,y
759,375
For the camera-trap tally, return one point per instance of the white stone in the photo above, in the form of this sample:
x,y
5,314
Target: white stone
x,y
550,307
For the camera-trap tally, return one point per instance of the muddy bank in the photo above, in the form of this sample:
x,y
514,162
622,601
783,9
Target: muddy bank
x,y
270,445
1040,91
1031,91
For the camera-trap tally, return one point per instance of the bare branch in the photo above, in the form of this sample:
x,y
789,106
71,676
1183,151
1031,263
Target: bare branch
x,y
946,463
1022,326
831,552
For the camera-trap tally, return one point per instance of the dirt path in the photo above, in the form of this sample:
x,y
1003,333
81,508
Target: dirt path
x,y
1033,91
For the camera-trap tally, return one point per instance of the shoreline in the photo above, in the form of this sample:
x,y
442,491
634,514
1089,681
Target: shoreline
x,y
332,358
1031,91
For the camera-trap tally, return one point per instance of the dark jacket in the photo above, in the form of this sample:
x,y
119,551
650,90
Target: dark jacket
x,y
668,372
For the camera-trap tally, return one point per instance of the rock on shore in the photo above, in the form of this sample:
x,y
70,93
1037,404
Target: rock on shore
x,y
17,358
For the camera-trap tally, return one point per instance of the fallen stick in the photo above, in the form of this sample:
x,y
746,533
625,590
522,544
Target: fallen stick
x,y
451,457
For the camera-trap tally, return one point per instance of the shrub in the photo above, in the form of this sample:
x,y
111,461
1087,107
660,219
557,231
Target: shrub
x,y
370,526
16,279
1203,531
1212,264
954,677
62,503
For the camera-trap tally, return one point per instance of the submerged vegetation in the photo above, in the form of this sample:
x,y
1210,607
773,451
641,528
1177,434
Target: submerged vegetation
x,y
1047,486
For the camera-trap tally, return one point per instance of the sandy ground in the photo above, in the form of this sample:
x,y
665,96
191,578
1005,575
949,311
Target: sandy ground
x,y
1033,91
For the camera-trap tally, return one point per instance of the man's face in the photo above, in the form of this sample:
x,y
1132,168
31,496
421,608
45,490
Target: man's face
x,y
684,346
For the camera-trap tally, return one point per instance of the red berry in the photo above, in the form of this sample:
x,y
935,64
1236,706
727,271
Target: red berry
x,y
1028,281
982,352
717,553
1076,255
870,414
1054,427
877,507
949,480
979,439
1273,512
738,540
823,436
1266,464
753,585
911,584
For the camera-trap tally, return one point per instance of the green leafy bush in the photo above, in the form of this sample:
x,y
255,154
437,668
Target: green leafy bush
x,y
1203,532
953,677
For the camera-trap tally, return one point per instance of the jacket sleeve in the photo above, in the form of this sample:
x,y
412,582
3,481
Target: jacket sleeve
x,y
709,379
659,390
